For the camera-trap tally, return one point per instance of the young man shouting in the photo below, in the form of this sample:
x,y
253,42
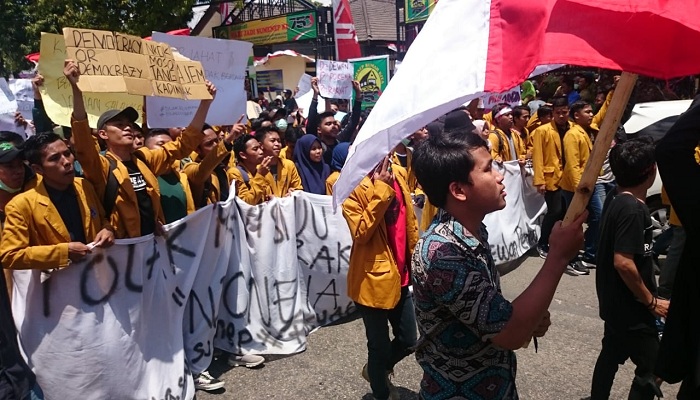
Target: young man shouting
x,y
468,330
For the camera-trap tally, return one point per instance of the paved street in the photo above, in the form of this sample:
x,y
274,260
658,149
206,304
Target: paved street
x,y
329,368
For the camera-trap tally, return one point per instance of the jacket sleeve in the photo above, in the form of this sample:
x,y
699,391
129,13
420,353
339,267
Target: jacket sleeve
x,y
312,120
573,158
346,134
200,172
160,160
363,217
256,193
294,178
493,139
15,248
538,157
95,167
598,118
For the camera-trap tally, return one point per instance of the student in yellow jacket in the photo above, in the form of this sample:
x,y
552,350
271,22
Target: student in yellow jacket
x,y
207,172
249,173
283,177
175,192
57,222
505,146
383,226
136,209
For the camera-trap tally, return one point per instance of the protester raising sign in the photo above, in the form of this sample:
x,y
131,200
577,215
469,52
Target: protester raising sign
x,y
224,63
116,62
24,94
511,97
335,79
56,92
8,107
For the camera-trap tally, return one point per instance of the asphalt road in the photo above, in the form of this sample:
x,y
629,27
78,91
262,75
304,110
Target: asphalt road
x,y
330,367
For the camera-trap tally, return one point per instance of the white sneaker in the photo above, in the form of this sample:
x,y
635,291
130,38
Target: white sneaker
x,y
248,360
205,381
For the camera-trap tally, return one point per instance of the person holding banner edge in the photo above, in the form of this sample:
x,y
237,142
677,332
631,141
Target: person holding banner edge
x,y
468,330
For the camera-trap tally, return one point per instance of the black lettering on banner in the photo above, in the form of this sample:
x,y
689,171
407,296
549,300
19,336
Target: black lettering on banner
x,y
324,318
168,395
281,232
280,300
222,219
322,255
301,210
333,293
202,351
253,221
46,290
343,256
151,261
207,314
84,276
228,331
304,209
129,283
227,286
178,296
171,246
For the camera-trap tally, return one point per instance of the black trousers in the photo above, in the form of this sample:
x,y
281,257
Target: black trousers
x,y
641,345
555,212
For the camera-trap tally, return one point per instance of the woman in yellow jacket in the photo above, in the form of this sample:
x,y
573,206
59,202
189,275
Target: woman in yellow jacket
x,y
383,226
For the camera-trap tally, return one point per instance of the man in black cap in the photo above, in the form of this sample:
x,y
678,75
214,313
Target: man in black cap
x,y
126,178
290,104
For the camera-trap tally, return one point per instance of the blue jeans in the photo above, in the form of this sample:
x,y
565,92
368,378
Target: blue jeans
x,y
35,393
595,211
384,353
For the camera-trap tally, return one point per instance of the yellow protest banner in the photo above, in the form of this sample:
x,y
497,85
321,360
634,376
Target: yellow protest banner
x,y
56,92
115,62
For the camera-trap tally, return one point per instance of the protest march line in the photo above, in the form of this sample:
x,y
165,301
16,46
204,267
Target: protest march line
x,y
245,279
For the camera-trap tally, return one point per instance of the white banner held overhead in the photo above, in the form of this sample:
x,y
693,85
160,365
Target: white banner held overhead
x,y
335,79
24,94
224,63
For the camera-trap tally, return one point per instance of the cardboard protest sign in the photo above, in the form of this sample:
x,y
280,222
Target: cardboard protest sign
x,y
224,63
57,94
116,62
335,79
24,95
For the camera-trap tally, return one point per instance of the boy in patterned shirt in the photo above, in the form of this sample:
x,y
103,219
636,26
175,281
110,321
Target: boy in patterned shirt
x,y
468,330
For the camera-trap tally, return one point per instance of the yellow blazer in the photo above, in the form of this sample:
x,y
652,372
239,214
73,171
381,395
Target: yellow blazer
x,y
577,150
34,235
411,176
125,217
373,278
330,181
547,156
200,172
287,178
287,153
498,136
255,192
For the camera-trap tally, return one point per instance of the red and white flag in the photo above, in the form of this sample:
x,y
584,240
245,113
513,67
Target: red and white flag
x,y
346,44
224,11
468,48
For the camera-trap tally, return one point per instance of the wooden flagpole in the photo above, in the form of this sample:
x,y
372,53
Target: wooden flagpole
x,y
586,186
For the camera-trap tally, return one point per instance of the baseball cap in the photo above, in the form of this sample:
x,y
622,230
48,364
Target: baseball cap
x,y
109,115
458,120
8,152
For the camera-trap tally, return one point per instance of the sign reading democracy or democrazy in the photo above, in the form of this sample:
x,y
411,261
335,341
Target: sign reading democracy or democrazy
x,y
116,62
286,28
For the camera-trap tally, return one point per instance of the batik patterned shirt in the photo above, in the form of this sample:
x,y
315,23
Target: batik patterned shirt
x,y
459,308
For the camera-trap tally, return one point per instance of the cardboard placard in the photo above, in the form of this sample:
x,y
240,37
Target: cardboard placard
x,y
335,79
56,92
120,63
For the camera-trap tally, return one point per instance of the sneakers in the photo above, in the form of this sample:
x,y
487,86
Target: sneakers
x,y
577,268
393,391
588,262
542,252
248,360
205,381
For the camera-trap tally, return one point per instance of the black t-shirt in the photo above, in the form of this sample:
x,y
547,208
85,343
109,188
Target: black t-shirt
x,y
221,175
148,215
625,228
66,202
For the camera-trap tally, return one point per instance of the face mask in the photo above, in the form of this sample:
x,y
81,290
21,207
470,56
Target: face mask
x,y
281,125
575,86
406,142
8,189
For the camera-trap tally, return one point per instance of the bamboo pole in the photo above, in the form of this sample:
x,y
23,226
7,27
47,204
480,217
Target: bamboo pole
x,y
586,186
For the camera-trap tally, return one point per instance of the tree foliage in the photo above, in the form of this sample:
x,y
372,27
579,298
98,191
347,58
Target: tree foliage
x,y
24,20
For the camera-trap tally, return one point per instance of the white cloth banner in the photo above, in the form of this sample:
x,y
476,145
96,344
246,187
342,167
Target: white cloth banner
x,y
335,79
512,97
224,63
245,279
24,94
